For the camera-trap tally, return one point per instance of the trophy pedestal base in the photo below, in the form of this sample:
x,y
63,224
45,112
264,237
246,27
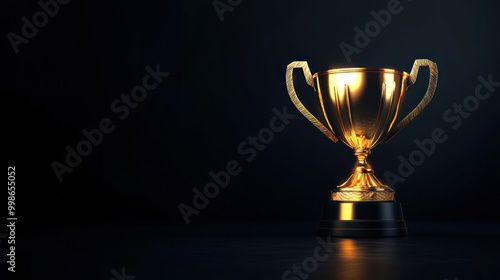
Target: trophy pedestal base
x,y
362,219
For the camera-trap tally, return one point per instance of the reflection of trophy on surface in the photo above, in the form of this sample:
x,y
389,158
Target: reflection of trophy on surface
x,y
360,107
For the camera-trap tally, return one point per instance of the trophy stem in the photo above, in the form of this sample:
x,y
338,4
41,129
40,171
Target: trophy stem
x,y
362,165
363,185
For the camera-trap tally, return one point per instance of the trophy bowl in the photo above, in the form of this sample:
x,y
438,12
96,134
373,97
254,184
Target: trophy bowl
x,y
360,107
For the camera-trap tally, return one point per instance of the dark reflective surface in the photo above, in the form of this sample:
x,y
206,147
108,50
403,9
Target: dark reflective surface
x,y
465,251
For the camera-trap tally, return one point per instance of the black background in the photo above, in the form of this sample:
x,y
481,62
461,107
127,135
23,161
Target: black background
x,y
225,79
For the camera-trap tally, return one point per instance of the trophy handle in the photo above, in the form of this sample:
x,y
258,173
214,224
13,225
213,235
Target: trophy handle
x,y
296,101
427,97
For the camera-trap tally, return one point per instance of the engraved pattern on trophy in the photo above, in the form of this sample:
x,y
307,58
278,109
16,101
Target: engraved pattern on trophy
x,y
296,100
429,94
360,107
363,196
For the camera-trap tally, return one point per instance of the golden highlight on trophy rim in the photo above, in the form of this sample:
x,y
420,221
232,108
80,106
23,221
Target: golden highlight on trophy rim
x,y
360,107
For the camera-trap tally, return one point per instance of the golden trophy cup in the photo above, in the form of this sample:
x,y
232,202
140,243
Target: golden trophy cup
x,y
360,107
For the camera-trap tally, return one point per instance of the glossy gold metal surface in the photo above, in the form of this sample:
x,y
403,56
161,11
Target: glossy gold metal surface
x,y
360,104
296,101
360,107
